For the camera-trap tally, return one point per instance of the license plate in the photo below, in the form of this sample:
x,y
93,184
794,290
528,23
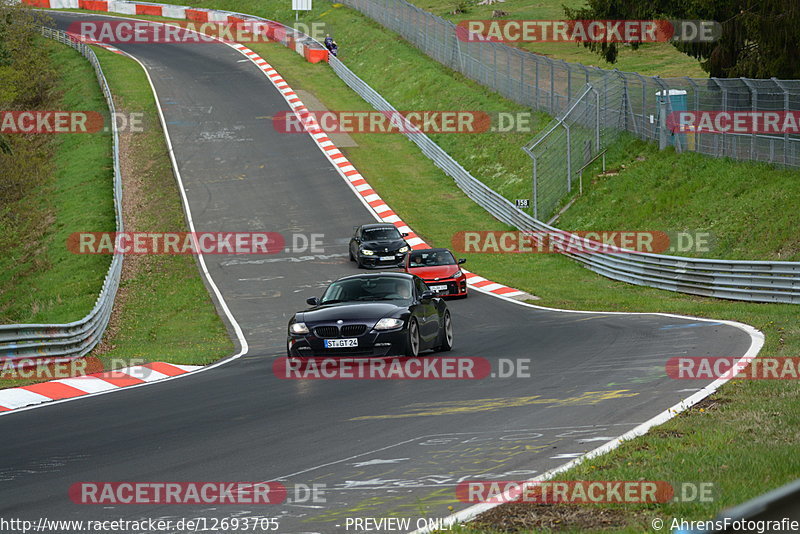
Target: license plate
x,y
438,289
341,343
386,258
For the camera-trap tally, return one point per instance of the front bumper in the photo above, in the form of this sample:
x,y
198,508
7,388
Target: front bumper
x,y
455,287
375,261
371,344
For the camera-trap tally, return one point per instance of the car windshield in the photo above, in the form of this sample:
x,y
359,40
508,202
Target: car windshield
x,y
370,288
381,234
430,258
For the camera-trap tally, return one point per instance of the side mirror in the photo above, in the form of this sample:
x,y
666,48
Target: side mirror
x,y
462,260
426,295
404,234
312,300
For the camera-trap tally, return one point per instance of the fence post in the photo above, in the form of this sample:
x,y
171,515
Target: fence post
x,y
724,106
569,158
753,108
785,110
597,118
535,187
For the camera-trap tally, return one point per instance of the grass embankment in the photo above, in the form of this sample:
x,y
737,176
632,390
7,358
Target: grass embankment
x,y
654,59
163,311
745,439
653,191
166,313
59,176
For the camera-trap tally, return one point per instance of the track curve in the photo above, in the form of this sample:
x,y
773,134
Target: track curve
x,y
380,447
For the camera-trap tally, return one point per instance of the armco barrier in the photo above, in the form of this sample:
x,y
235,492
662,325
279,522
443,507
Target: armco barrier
x,y
62,342
757,281
24,343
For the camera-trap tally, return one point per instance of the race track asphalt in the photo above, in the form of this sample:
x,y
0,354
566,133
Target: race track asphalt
x,y
380,447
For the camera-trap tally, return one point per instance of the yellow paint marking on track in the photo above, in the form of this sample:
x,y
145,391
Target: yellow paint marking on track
x,y
489,405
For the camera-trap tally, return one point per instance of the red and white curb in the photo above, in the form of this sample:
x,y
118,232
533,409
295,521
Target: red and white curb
x,y
67,388
374,203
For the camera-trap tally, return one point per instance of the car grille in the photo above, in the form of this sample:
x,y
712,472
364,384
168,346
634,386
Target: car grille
x,y
348,330
353,329
327,331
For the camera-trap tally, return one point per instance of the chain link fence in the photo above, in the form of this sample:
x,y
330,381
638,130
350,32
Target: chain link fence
x,y
757,281
552,85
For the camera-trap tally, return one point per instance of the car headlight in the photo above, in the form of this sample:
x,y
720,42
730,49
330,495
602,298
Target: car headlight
x,y
387,323
403,249
298,328
366,252
457,274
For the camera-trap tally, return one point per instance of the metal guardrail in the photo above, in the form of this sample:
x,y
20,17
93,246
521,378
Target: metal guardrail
x,y
757,281
773,511
22,344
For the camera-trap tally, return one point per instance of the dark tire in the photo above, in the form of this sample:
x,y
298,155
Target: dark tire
x,y
350,251
447,334
412,339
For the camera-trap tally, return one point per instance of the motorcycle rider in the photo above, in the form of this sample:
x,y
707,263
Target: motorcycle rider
x,y
331,45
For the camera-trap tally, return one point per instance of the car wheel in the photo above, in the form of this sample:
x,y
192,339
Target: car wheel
x,y
412,339
350,251
447,334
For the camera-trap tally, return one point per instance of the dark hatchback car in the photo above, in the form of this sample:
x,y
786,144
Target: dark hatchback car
x,y
378,245
376,314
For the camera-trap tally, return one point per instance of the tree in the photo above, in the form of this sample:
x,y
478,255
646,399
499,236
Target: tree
x,y
759,38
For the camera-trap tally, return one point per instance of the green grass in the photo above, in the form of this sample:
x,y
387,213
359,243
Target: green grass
x,y
662,193
167,314
163,311
711,447
746,444
660,59
40,280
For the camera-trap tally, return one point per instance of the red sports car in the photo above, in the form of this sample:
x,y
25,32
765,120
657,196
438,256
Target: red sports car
x,y
439,269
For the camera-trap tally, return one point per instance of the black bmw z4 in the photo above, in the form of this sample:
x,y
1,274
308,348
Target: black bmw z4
x,y
372,315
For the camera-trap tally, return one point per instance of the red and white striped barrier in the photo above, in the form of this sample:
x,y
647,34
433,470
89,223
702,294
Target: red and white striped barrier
x,y
278,33
355,180
67,388
305,46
